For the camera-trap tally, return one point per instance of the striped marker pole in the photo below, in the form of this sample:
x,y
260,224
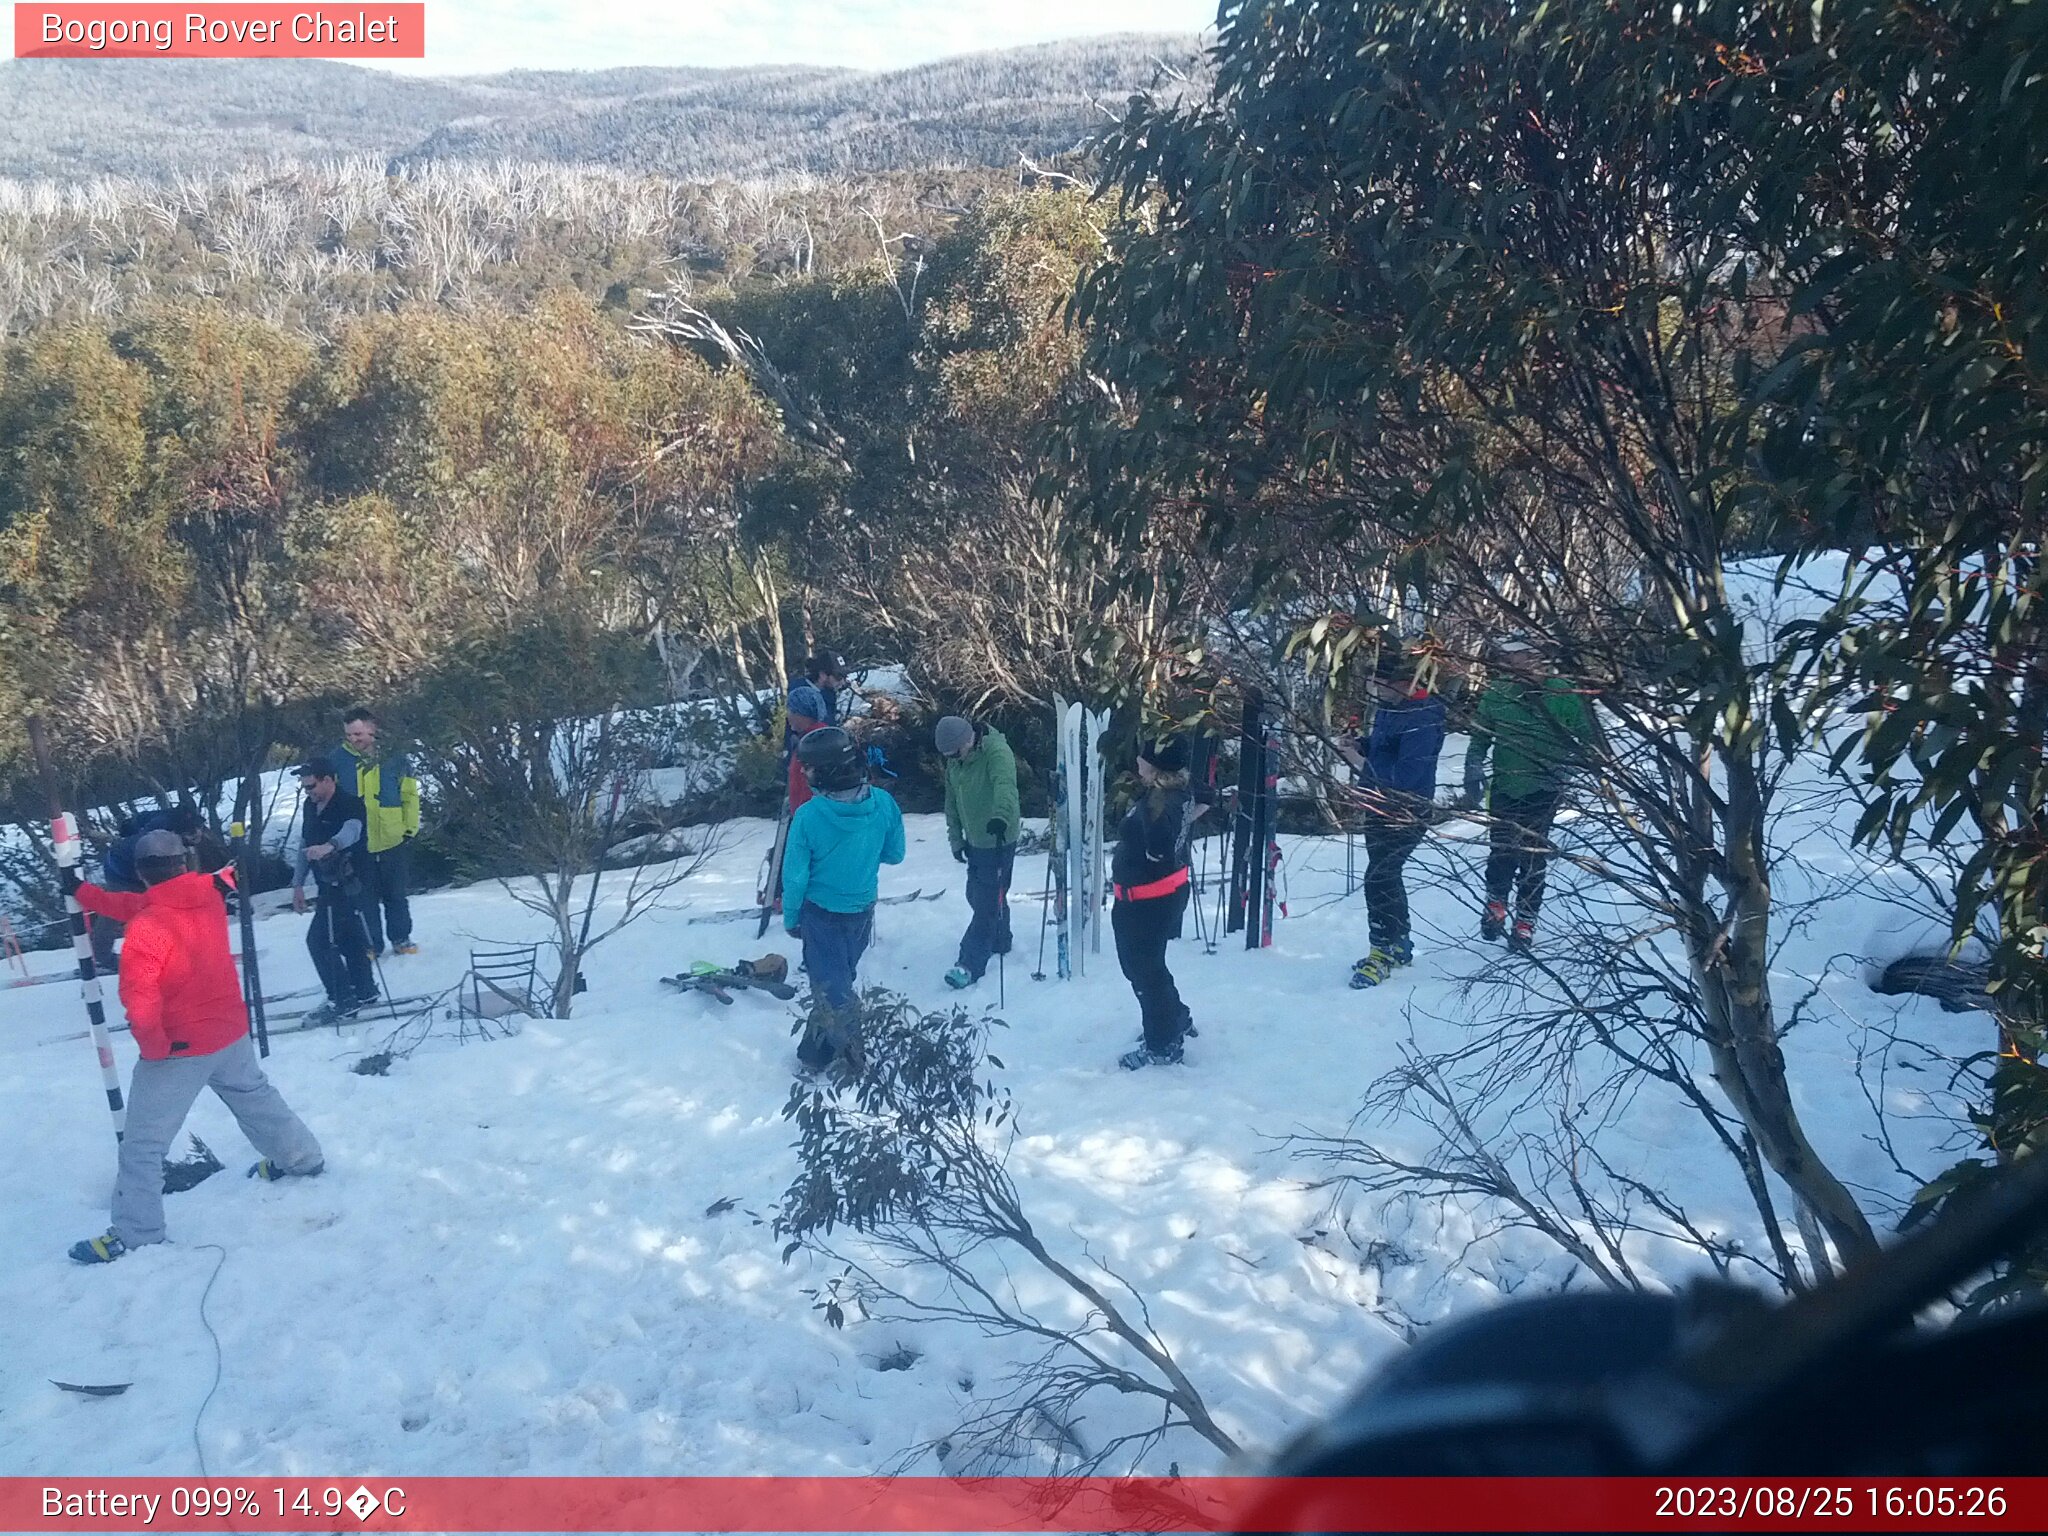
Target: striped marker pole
x,y
69,853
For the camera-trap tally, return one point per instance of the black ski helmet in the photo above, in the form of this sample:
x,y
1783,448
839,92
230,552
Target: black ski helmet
x,y
831,760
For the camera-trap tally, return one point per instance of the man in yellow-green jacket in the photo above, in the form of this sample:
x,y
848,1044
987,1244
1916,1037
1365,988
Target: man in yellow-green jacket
x,y
391,797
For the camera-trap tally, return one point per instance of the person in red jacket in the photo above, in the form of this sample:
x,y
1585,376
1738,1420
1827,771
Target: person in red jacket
x,y
183,999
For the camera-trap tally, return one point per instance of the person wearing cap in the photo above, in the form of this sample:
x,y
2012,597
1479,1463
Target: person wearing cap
x,y
831,876
384,782
119,874
813,703
183,998
1536,726
330,849
1150,870
1395,769
982,819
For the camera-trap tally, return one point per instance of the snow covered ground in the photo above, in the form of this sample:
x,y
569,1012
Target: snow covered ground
x,y
513,1263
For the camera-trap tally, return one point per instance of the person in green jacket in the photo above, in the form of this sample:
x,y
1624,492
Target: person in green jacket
x,y
391,796
831,874
1537,728
981,824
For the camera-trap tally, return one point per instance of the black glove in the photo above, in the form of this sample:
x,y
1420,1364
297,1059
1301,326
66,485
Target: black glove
x,y
959,855
996,827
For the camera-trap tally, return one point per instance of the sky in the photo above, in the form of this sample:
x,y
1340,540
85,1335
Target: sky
x,y
467,37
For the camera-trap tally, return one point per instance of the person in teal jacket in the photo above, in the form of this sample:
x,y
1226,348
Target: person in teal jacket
x,y
1537,728
831,874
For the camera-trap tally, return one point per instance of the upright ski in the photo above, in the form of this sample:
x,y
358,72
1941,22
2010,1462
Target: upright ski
x,y
769,894
1056,855
1095,724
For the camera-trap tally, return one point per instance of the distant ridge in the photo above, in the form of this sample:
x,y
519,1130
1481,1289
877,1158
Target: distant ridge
x,y
76,119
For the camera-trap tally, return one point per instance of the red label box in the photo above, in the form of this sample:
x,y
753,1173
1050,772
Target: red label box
x,y
238,31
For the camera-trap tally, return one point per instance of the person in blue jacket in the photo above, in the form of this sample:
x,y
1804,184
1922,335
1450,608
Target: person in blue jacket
x,y
118,871
831,875
1395,769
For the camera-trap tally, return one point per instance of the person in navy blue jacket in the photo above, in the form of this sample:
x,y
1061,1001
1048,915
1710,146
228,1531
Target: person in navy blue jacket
x,y
1395,769
119,873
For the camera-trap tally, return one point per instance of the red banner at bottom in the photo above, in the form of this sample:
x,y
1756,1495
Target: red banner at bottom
x,y
253,1504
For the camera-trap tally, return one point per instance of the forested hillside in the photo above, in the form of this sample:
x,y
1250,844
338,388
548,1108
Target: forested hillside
x,y
73,118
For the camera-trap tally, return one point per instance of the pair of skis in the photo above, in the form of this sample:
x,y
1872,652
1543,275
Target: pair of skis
x,y
1255,851
720,983
733,914
1077,841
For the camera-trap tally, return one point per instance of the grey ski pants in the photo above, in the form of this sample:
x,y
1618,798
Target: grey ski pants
x,y
160,1096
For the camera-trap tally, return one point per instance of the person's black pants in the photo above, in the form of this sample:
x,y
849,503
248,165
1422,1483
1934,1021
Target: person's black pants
x,y
988,896
1143,929
387,910
1519,860
1389,843
340,943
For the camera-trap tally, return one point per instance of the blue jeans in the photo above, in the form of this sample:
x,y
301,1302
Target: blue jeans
x,y
833,944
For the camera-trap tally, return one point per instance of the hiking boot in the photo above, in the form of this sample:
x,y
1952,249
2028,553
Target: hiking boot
x,y
1145,1056
1495,921
959,978
407,948
1523,939
270,1172
103,1249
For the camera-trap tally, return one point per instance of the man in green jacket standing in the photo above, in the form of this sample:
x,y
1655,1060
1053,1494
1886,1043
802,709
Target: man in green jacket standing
x,y
1537,728
981,824
391,797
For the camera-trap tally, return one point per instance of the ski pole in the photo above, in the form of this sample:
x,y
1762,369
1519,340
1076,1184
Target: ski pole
x,y
64,845
376,960
1044,916
1002,985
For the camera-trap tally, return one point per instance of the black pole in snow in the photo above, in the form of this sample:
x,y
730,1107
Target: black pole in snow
x,y
1250,771
248,825
64,843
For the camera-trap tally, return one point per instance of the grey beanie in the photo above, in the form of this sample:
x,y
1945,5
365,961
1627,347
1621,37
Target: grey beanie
x,y
160,844
953,734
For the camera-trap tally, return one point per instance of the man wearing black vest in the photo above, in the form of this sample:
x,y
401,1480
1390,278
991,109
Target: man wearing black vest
x,y
331,850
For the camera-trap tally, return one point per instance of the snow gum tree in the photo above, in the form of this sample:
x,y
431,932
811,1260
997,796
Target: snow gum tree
x,y
1884,167
1414,281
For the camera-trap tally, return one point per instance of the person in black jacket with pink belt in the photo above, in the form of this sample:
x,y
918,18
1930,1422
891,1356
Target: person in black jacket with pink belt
x,y
1150,869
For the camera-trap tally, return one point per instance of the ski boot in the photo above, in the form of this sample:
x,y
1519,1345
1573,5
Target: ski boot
x,y
407,948
1380,964
270,1173
959,979
103,1249
1495,921
1523,939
